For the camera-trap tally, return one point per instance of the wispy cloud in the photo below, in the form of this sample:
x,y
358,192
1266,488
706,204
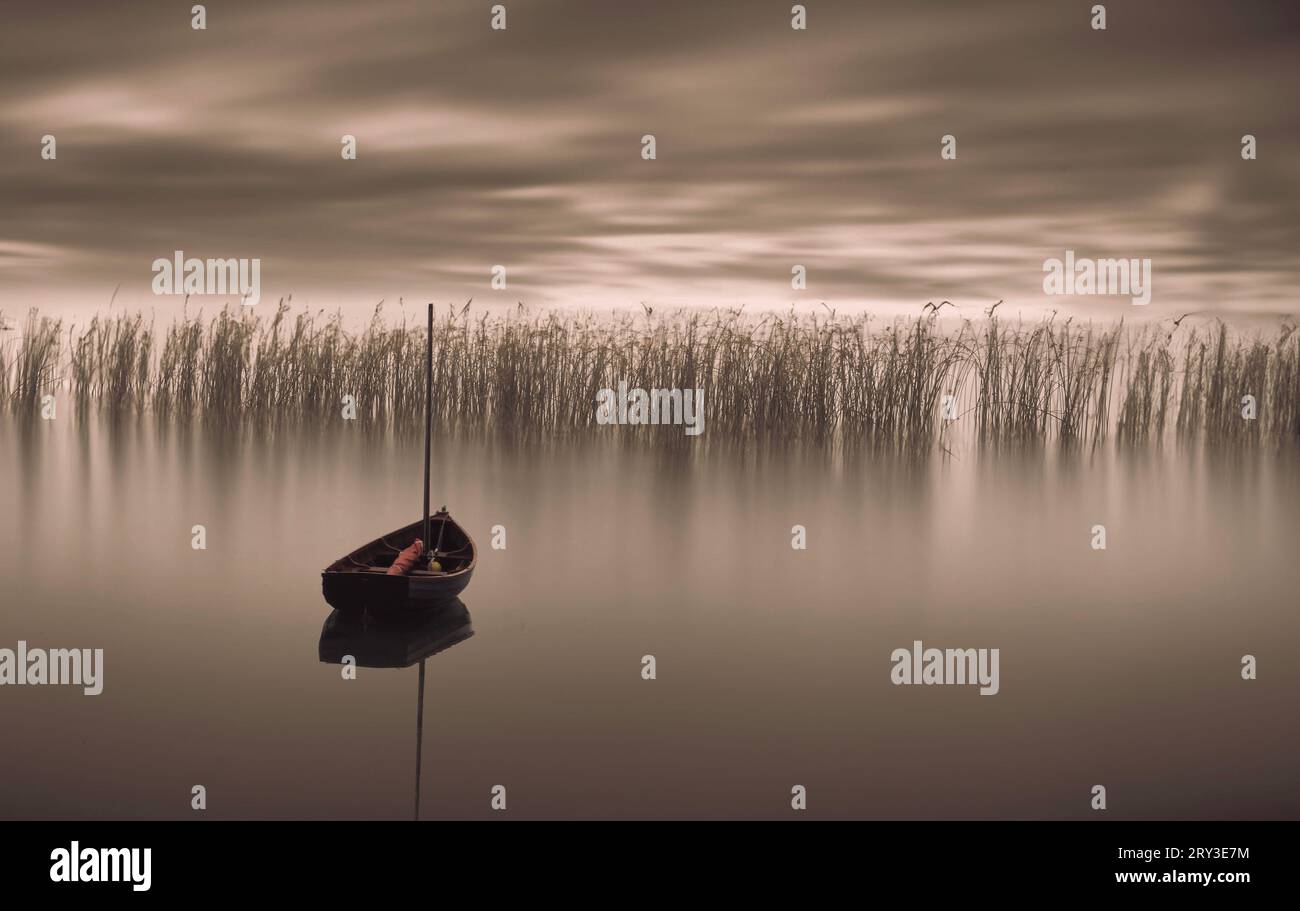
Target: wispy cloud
x,y
775,147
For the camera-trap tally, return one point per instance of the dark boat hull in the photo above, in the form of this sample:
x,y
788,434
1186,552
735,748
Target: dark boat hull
x,y
359,581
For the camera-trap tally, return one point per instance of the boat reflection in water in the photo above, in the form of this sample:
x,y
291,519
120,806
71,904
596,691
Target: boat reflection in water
x,y
398,641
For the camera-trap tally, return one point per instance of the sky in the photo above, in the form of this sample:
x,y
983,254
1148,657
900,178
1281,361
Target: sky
x,y
774,147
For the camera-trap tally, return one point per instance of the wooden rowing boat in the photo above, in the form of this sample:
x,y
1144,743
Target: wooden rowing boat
x,y
392,573
361,581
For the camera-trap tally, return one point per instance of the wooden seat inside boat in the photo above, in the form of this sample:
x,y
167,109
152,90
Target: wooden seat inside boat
x,y
450,564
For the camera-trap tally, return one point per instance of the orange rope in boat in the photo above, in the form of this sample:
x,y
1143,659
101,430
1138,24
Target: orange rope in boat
x,y
404,562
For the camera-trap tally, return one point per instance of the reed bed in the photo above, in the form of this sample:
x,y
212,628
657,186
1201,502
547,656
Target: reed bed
x,y
853,383
35,364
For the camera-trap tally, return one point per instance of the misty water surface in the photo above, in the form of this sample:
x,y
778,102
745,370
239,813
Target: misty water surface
x,y
1119,667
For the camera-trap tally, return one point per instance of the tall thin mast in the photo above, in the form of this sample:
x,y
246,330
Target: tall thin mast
x,y
428,430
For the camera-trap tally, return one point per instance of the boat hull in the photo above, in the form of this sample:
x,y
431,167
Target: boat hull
x,y
359,581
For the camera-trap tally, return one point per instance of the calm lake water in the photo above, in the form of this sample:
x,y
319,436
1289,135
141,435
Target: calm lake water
x,y
1118,667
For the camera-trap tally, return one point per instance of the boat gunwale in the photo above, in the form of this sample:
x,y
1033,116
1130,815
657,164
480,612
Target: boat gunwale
x,y
422,574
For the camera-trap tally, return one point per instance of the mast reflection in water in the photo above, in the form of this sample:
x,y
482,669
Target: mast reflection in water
x,y
397,642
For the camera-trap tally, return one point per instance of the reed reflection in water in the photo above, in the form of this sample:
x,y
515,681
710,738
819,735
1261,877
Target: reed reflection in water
x,y
1119,667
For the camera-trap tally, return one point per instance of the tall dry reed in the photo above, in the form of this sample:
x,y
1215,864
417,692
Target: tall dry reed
x,y
856,383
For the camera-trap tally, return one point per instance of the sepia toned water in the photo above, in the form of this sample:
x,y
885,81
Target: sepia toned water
x,y
1118,667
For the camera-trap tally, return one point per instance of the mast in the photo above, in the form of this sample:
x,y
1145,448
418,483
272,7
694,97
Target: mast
x,y
428,431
